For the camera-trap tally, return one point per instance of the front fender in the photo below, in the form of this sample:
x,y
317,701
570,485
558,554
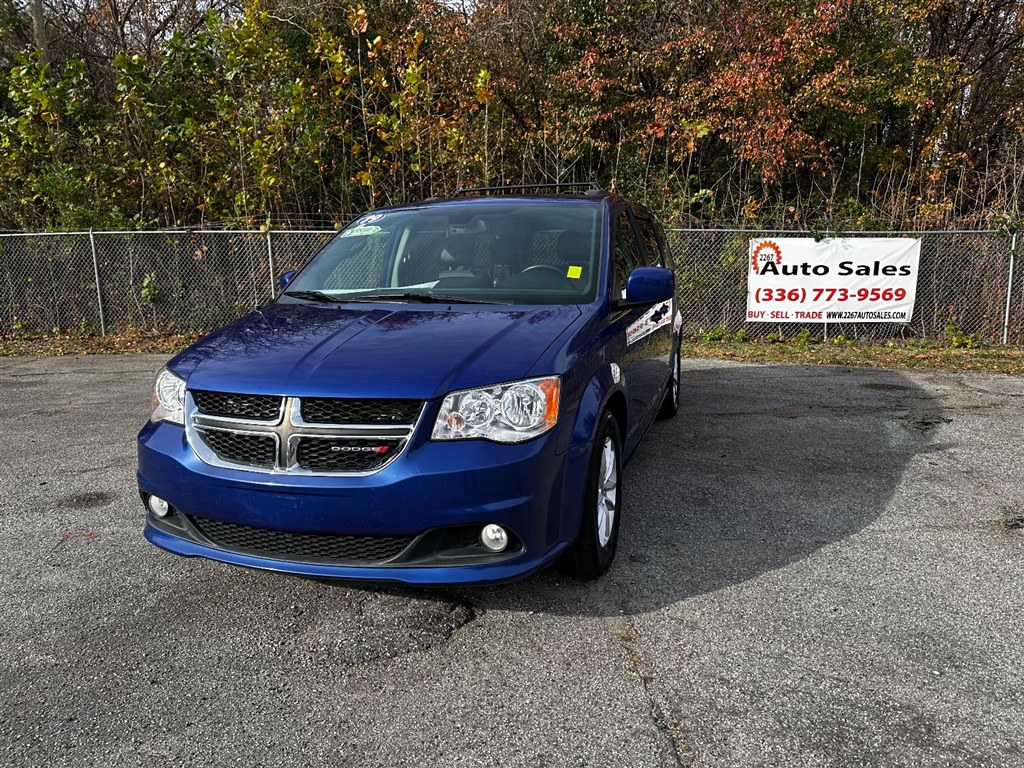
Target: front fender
x,y
601,388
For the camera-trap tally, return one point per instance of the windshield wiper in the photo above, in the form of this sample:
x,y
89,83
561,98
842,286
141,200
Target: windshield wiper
x,y
324,298
422,298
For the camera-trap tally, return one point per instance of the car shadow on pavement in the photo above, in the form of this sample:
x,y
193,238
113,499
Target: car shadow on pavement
x,y
763,466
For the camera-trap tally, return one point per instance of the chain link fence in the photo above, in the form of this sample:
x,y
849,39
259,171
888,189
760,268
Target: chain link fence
x,y
108,282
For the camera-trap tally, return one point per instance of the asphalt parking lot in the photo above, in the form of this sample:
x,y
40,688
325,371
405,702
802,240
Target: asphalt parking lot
x,y
819,567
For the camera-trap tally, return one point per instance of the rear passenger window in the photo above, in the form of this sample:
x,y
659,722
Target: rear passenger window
x,y
653,244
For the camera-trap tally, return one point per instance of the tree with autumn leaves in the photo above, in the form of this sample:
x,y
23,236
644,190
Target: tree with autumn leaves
x,y
845,114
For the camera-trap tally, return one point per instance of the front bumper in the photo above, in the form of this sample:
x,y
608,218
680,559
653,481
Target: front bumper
x,y
434,489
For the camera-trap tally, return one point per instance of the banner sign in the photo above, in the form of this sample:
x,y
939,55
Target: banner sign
x,y
847,280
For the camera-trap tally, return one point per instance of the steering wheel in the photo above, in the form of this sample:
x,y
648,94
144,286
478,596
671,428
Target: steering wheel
x,y
563,284
546,267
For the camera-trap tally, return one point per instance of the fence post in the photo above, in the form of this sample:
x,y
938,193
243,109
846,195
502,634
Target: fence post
x,y
1009,289
270,261
96,275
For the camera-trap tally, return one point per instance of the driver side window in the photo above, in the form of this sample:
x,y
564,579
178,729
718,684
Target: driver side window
x,y
627,254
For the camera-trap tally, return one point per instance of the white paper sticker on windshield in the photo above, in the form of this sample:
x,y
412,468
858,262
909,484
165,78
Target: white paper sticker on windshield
x,y
360,231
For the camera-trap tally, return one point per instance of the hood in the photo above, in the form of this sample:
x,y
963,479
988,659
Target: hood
x,y
400,351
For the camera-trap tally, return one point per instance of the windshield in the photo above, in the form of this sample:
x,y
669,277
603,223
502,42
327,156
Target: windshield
x,y
523,252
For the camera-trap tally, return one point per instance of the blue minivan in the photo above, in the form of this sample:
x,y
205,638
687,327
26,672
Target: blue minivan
x,y
446,393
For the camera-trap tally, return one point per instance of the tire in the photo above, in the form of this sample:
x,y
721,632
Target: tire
x,y
594,549
670,405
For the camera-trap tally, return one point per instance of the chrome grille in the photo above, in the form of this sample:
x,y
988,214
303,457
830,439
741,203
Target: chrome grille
x,y
323,410
315,547
314,436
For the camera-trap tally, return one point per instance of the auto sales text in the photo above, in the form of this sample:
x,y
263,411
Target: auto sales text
x,y
845,268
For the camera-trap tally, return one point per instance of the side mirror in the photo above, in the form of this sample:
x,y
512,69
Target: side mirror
x,y
649,285
283,280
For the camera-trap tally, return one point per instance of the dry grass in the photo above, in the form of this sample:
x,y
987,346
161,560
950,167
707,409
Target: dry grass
x,y
55,345
1009,360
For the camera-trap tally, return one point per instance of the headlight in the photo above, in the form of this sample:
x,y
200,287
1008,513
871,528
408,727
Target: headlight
x,y
169,398
504,413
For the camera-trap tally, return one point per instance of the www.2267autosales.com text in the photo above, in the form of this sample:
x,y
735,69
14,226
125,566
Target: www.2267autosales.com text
x,y
797,315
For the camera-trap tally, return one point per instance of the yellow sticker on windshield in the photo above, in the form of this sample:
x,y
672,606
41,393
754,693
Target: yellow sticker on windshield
x,y
574,272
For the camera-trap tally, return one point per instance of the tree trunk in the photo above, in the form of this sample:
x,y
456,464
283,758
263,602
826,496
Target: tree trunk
x,y
39,31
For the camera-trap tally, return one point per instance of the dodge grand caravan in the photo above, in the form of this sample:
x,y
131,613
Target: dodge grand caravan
x,y
445,393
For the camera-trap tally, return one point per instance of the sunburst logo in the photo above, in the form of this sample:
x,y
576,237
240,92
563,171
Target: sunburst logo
x,y
764,252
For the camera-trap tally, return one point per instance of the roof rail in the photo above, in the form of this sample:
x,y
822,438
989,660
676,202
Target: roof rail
x,y
590,186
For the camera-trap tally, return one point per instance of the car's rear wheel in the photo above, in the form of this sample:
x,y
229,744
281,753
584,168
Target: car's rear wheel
x,y
670,405
594,549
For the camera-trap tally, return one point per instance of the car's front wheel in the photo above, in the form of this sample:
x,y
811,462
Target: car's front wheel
x,y
594,549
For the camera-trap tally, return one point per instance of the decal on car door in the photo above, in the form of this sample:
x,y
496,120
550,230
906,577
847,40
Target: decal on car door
x,y
657,316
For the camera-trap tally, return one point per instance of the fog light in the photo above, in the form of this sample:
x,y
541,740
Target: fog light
x,y
158,506
494,537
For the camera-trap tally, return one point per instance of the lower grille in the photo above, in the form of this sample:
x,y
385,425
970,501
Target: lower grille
x,y
306,547
242,448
